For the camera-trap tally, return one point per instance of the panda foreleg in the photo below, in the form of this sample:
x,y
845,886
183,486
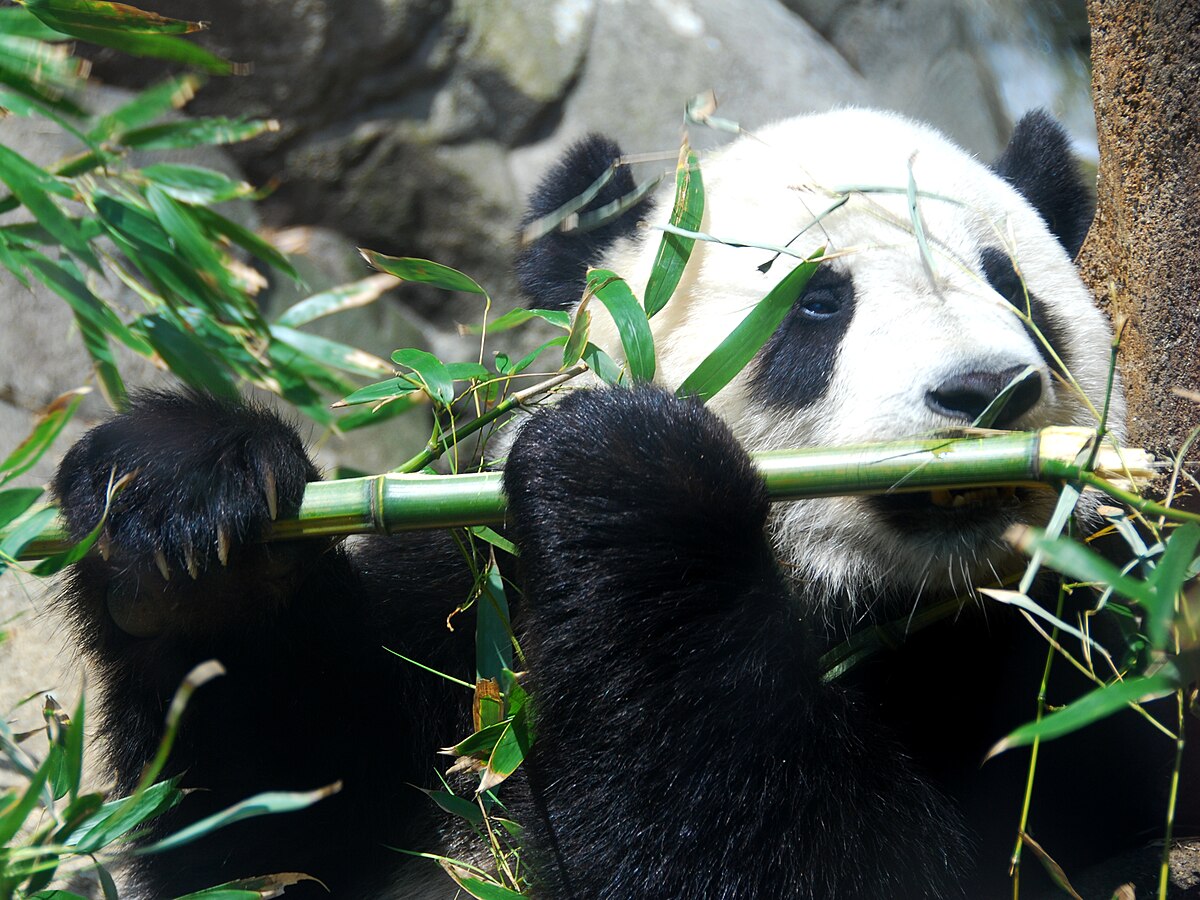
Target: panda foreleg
x,y
686,745
310,696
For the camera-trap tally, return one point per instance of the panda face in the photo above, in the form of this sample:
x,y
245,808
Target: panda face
x,y
893,337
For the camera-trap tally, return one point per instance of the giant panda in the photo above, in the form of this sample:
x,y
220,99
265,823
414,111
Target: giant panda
x,y
671,622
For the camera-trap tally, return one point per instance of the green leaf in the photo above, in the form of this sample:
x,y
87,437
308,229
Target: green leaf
x,y
630,319
577,340
33,187
127,29
480,744
194,133
559,318
603,366
740,346
478,888
338,299
262,886
266,803
15,501
455,805
380,391
216,223
186,356
496,540
118,818
29,528
194,184
100,14
673,249
1093,707
18,21
147,106
510,750
51,420
423,271
1167,581
431,371
493,628
332,353
1077,561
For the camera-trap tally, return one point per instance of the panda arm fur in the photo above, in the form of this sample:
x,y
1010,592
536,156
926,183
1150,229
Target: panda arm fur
x,y
310,695
686,743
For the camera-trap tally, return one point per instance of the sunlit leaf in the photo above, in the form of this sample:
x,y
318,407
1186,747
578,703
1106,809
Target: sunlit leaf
x,y
33,187
740,346
51,421
423,271
630,319
194,133
338,299
194,184
431,371
673,249
1093,707
147,106
332,353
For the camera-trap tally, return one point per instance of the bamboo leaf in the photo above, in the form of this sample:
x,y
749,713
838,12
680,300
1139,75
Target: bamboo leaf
x,y
118,818
338,299
493,629
455,805
266,803
194,184
15,501
332,353
257,888
99,14
432,372
423,271
674,250
477,887
559,318
1167,581
1092,707
33,187
630,319
739,347
147,106
1076,561
380,392
194,133
577,340
510,750
51,421
24,533
216,223
186,356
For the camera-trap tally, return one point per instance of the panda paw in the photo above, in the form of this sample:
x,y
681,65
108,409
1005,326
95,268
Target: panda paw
x,y
206,477
636,469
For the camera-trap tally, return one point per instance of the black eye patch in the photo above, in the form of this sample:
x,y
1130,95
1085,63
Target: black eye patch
x,y
1002,276
794,367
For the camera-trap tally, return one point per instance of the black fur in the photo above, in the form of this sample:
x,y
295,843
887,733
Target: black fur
x,y
552,271
1038,163
1000,273
794,367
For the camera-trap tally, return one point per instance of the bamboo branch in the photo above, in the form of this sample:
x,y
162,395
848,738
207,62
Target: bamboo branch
x,y
383,504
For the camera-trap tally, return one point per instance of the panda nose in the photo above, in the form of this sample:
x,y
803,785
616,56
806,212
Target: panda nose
x,y
964,397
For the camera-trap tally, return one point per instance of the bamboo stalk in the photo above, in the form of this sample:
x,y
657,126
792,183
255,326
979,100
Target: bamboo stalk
x,y
383,504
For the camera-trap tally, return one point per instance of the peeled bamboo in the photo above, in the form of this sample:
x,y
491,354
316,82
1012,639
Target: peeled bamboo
x,y
383,504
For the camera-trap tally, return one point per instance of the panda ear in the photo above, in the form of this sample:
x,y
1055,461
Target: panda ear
x,y
552,271
1039,164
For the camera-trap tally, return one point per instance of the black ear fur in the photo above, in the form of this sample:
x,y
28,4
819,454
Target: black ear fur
x,y
1039,164
552,271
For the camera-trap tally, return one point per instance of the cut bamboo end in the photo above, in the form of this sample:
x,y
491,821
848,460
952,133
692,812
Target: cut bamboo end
x,y
1070,448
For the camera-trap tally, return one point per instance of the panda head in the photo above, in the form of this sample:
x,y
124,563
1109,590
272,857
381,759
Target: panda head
x,y
893,336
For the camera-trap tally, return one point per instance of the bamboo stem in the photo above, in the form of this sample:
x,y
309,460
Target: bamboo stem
x,y
391,502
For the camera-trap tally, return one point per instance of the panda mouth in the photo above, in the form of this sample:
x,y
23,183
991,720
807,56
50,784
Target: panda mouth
x,y
957,499
945,509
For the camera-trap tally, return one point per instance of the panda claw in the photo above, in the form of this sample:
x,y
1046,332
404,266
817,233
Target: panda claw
x,y
104,545
223,541
160,560
272,499
193,565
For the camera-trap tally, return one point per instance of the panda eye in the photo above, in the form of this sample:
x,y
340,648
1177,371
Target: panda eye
x,y
819,305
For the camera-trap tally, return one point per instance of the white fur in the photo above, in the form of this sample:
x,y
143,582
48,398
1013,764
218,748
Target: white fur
x,y
912,328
